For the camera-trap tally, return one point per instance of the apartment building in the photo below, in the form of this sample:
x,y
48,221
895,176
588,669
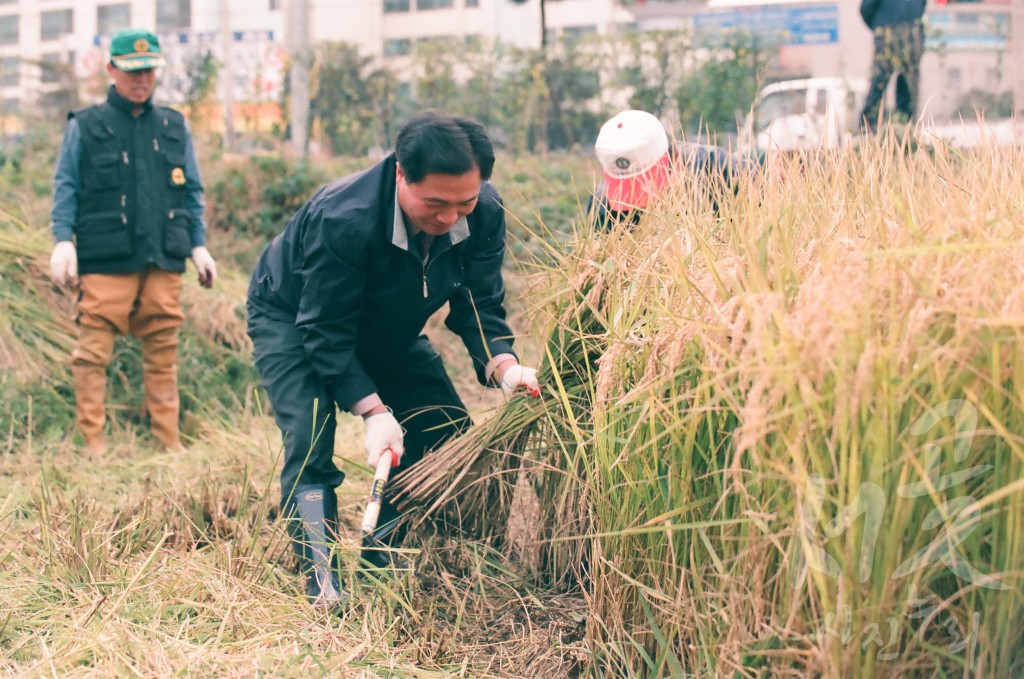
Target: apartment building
x,y
45,42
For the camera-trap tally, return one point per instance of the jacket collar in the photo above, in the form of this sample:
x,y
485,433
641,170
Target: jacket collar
x,y
402,231
122,104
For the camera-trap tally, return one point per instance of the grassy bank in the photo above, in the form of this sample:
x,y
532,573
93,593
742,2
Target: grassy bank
x,y
144,564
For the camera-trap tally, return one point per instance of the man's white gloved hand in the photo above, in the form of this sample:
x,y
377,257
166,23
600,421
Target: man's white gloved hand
x,y
383,435
64,262
205,265
517,376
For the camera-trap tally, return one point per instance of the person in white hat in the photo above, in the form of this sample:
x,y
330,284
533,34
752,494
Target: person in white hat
x,y
638,162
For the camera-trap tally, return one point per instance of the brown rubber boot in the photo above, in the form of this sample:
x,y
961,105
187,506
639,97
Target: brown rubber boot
x,y
159,364
89,361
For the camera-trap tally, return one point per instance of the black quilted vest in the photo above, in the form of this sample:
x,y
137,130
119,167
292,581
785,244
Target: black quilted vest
x,y
131,201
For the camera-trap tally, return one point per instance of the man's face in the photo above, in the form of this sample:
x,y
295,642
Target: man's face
x,y
438,201
135,86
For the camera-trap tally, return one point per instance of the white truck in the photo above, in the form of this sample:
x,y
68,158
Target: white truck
x,y
822,113
808,113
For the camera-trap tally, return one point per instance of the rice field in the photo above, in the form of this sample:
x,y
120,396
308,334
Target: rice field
x,y
776,440
782,440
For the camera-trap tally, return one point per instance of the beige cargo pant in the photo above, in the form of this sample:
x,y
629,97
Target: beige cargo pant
x,y
146,305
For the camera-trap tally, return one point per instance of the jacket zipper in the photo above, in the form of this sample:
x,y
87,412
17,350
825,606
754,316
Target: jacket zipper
x,y
426,263
426,267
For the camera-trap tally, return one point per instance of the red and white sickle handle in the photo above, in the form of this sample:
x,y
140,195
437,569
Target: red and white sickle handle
x,y
380,479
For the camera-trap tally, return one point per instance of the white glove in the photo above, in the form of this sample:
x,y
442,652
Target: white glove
x,y
64,262
383,434
518,376
205,265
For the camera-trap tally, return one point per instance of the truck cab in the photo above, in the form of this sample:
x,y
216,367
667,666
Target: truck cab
x,y
808,113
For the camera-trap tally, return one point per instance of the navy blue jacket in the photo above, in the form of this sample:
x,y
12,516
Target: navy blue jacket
x,y
347,278
878,13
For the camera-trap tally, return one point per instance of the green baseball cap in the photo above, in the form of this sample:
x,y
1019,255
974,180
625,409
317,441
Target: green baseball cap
x,y
134,49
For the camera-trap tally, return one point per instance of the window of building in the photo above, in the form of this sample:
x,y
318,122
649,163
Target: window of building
x,y
394,6
274,5
397,47
56,23
574,32
9,30
433,4
438,42
8,2
173,14
10,72
472,3
50,67
112,18
954,80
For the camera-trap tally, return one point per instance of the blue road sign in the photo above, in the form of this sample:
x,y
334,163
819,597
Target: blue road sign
x,y
786,24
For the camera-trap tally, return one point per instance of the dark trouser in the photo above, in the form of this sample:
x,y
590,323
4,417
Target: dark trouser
x,y
413,383
898,51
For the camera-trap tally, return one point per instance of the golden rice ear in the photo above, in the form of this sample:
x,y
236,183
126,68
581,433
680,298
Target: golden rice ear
x,y
718,370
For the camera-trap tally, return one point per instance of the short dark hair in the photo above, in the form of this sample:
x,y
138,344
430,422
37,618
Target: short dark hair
x,y
433,142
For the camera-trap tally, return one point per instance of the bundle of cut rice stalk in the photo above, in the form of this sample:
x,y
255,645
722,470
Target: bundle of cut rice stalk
x,y
471,481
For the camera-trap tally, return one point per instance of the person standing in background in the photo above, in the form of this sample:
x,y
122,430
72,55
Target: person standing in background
x,y
899,43
127,212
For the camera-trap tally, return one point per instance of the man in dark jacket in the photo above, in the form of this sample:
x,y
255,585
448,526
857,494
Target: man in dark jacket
x,y
127,212
899,42
336,310
637,161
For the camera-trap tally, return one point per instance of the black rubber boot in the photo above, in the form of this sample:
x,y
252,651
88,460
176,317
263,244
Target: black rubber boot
x,y
313,525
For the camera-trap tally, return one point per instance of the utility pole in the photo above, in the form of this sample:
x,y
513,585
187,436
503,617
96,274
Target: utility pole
x,y
297,45
1017,52
228,76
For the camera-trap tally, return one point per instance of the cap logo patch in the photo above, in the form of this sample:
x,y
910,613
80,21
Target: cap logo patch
x,y
622,163
314,495
141,45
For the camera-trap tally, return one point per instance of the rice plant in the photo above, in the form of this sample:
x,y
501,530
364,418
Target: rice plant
x,y
781,437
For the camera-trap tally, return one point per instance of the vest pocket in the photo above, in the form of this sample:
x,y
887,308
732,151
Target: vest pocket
x,y
104,172
177,236
103,236
175,171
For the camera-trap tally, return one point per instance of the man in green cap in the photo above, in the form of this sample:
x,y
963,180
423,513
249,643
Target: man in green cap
x,y
127,212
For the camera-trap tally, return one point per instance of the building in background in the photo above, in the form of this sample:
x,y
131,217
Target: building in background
x,y
50,46
967,61
43,43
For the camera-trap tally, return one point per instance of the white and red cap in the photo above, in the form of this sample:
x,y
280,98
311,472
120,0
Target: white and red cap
x,y
632,148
